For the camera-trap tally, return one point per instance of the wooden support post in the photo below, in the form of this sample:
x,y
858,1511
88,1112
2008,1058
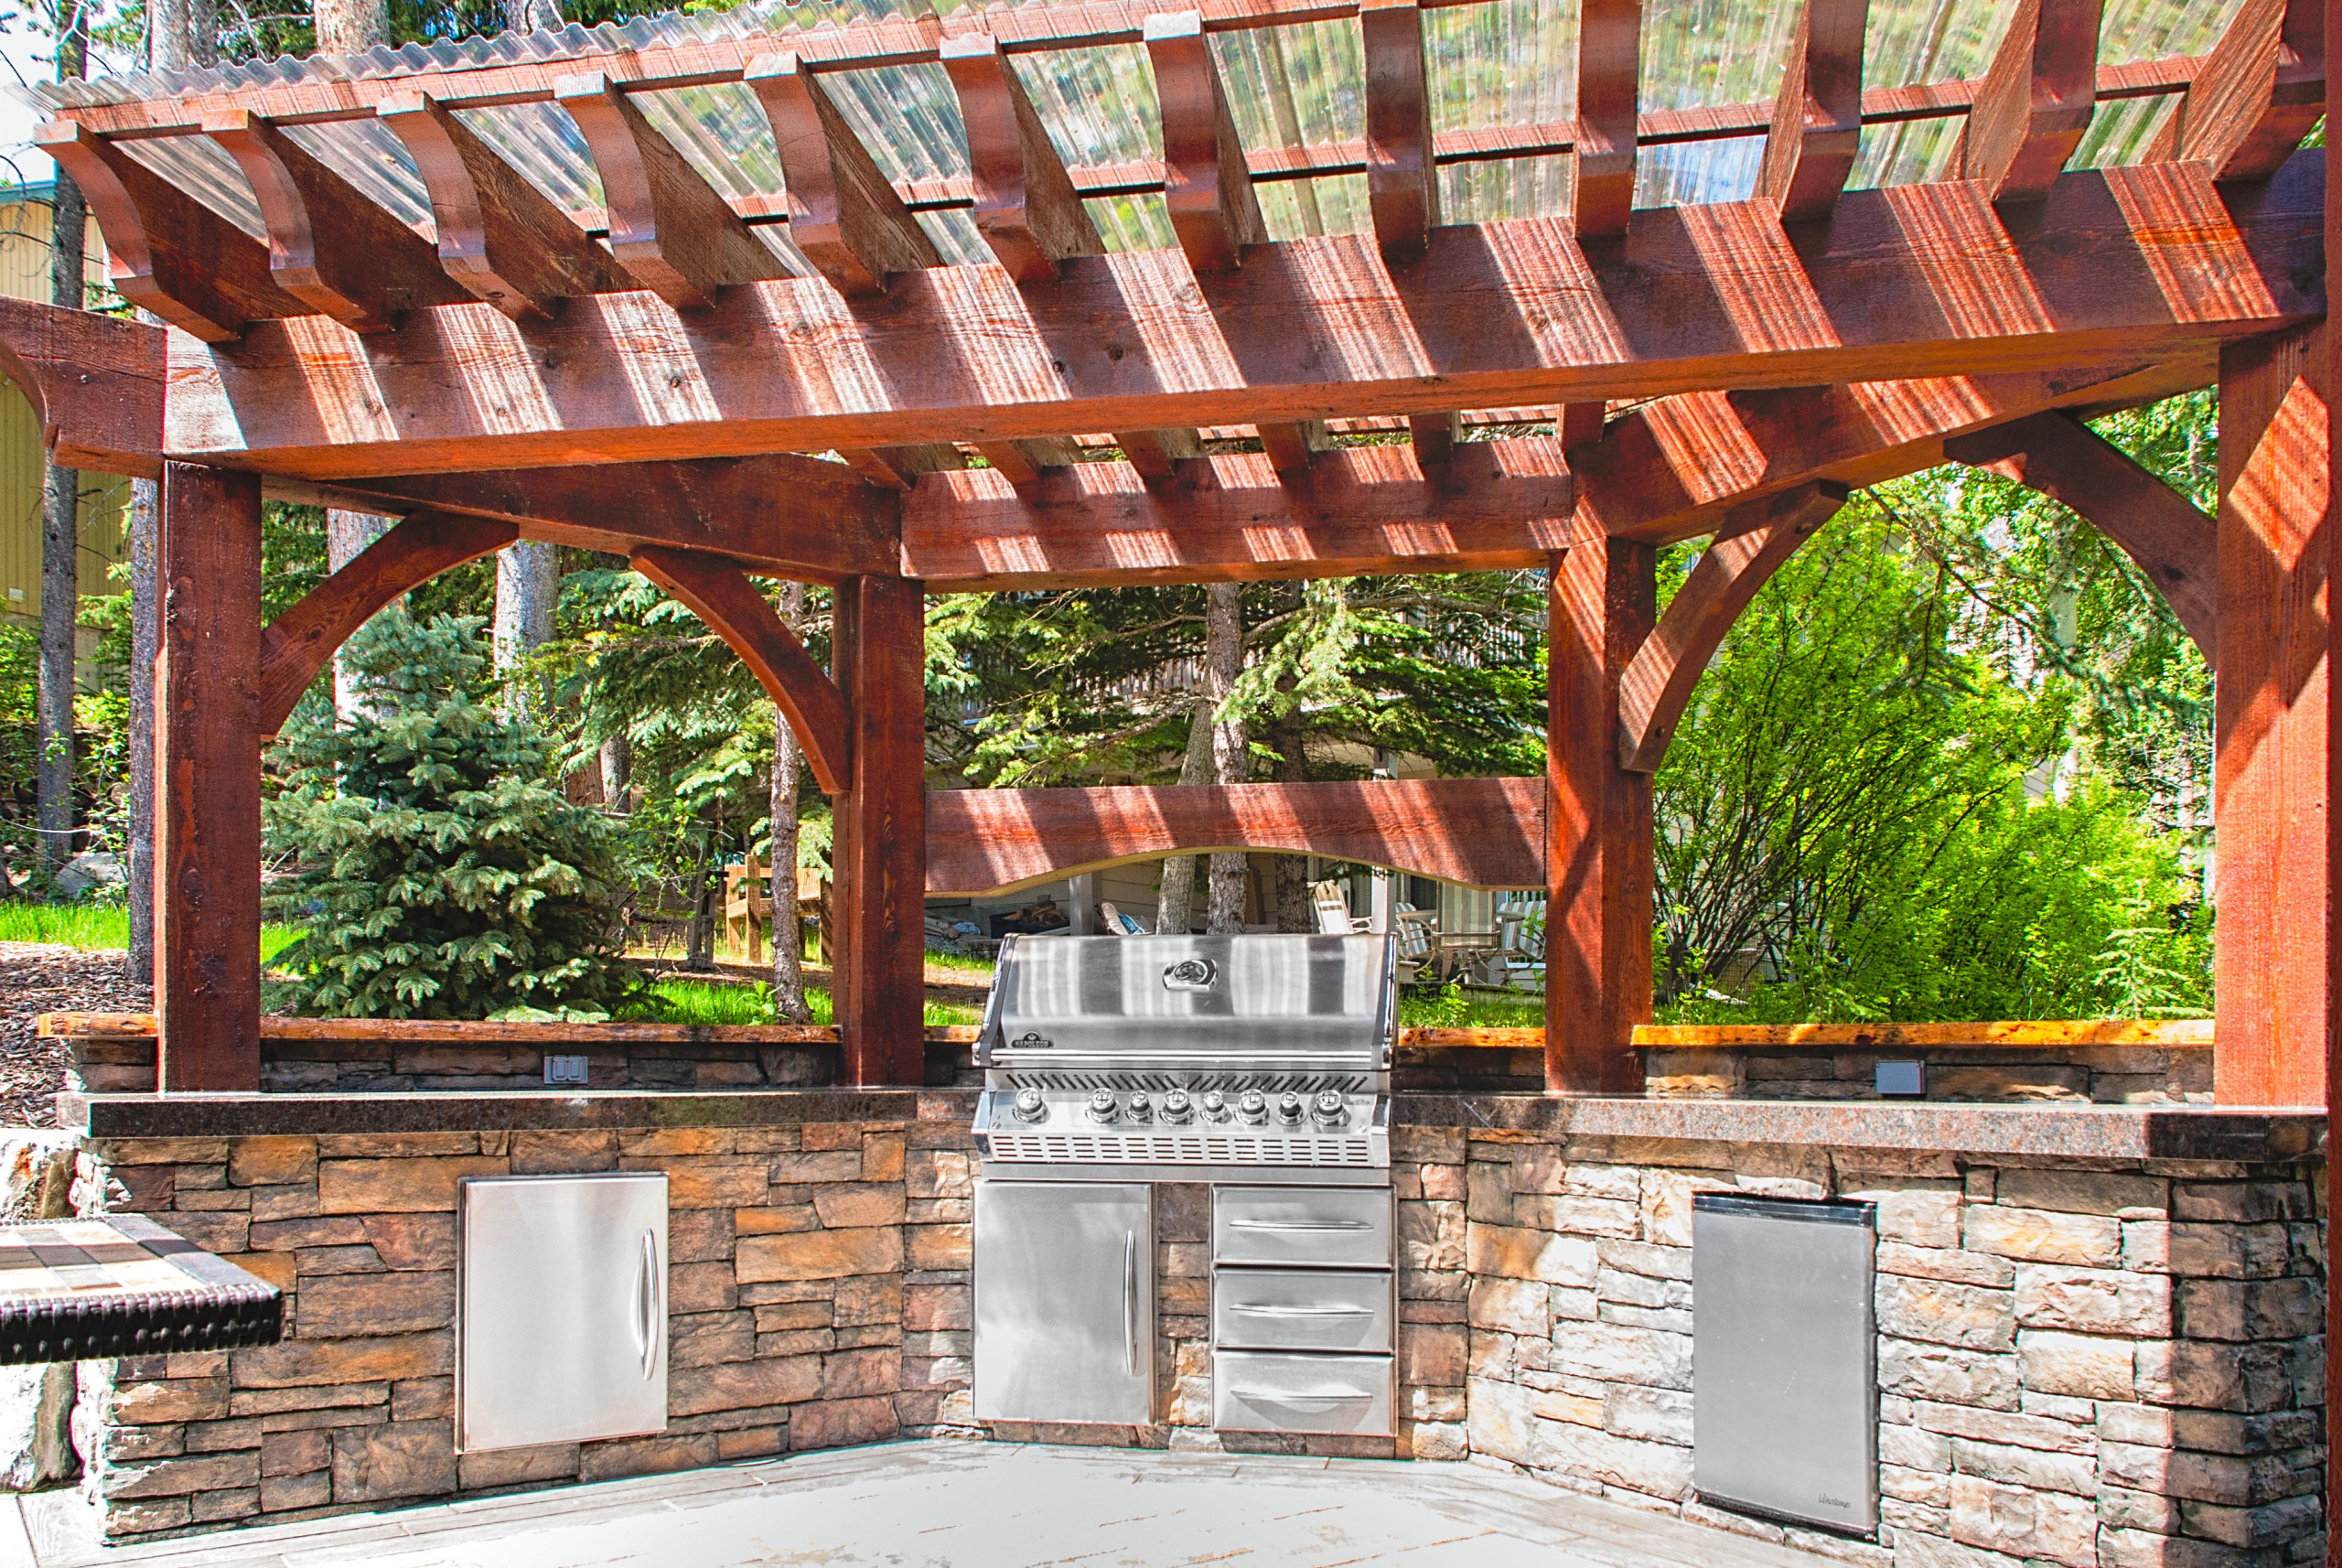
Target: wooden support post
x,y
1599,609
207,771
880,851
2272,970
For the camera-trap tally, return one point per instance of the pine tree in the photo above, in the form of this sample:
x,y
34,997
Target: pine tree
x,y
441,872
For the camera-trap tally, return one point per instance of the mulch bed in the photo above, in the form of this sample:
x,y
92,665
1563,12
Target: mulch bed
x,y
36,978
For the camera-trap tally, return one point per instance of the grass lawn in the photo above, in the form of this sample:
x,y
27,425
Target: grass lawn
x,y
677,1001
98,926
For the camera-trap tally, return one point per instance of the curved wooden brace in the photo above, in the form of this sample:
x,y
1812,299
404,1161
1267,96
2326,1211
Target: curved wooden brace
x,y
1206,184
844,213
96,385
1481,832
1026,208
295,646
2036,101
2257,94
720,594
2173,543
1401,183
1748,550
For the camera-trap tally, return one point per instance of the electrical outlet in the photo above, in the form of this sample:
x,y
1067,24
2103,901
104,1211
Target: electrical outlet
x,y
564,1070
1902,1080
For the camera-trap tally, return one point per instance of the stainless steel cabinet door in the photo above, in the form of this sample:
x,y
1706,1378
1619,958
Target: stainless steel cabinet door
x,y
1265,1390
1339,1226
1065,1294
561,1313
1300,1309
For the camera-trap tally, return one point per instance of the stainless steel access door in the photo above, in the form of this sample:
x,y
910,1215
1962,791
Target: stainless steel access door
x,y
1065,1294
1785,1387
560,1311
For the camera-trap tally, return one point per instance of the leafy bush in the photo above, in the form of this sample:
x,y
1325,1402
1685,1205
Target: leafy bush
x,y
441,874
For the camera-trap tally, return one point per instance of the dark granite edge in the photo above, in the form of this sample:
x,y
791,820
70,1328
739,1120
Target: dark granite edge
x,y
501,1111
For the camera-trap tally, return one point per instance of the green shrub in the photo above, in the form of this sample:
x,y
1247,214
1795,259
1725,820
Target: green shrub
x,y
441,874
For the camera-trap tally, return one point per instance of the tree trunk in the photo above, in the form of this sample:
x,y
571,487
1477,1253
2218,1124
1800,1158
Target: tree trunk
x,y
348,533
699,945
145,497
350,26
1175,897
618,771
61,534
527,591
531,15
1289,737
788,1004
1231,760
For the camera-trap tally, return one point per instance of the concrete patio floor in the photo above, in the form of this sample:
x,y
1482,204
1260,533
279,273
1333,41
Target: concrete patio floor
x,y
963,1505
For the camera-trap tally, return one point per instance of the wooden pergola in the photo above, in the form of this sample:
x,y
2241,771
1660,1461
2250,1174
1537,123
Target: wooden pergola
x,y
650,377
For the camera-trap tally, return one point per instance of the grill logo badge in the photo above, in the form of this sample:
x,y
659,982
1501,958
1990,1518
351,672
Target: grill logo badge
x,y
1031,1041
1190,974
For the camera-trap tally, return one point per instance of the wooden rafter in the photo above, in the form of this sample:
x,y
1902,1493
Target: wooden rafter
x,y
1402,180
2037,99
720,594
1483,833
842,213
1024,203
899,468
1577,424
2125,267
1206,184
1499,505
1817,119
1293,444
1748,549
95,384
2259,92
1609,79
298,644
1023,462
668,226
2173,543
1156,454
1434,436
499,237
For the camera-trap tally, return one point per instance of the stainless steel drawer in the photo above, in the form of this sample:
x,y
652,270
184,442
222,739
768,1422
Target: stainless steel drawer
x,y
1300,1309
1345,1227
1269,1391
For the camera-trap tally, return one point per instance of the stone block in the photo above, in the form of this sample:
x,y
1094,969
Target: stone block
x,y
645,1455
1914,1213
288,1494
398,1186
551,1153
2022,1522
710,1338
1431,1235
516,1467
298,1362
412,1240
867,1299
1925,1488
167,1402
931,1308
1487,1191
347,1305
2227,1251
813,1168
836,1423
701,1287
2201,1373
2026,1082
778,1220
937,1249
2044,1236
1642,1291
1653,1469
2254,1309
2008,1427
2240,1202
1513,1306
683,1142
2093,1301
295,1453
2219,1432
2034,1468
1513,1253
1911,1448
844,1204
302,1400
1500,1420
2082,1365
1949,1263
2122,1510
423,1399
852,1374
1666,1217
939,1172
401,1459
1433,1353
1615,1353
718,1182
1656,1415
1643,1258
820,1254
1946,1314
743,1385
272,1162
178,1478
336,1230
2125,1197
2070,1408
1919,1370
2136,1423
2272,1524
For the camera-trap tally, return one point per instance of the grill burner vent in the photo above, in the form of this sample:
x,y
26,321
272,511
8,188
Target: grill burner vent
x,y
1208,1150
1197,1082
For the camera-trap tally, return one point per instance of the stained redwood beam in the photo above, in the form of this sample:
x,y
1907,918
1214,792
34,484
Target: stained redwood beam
x,y
899,468
881,827
1206,184
1817,119
1293,445
1026,206
1434,437
206,781
499,237
668,226
2117,267
2037,99
299,643
1499,505
2257,94
1401,180
95,384
1156,454
1482,832
2174,544
329,245
1754,544
1609,77
720,594
844,214
1023,462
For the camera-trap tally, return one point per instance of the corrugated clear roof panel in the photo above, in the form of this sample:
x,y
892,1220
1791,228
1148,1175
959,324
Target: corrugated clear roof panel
x,y
198,166
368,157
1139,222
2136,30
1913,41
1682,173
907,116
1697,54
1329,204
956,237
1295,86
1506,63
720,132
1099,103
544,145
1513,187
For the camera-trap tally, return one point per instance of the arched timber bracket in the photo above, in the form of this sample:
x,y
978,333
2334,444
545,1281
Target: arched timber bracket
x,y
2173,543
720,594
1748,550
95,384
297,645
1481,832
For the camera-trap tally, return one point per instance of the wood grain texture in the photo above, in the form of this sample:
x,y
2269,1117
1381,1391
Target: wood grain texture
x,y
884,656
1599,865
1434,437
1023,462
2271,967
1499,505
499,237
1401,180
783,515
1156,454
299,643
2117,267
668,226
899,468
1609,77
2175,545
328,244
166,253
95,384
2037,99
720,594
207,781
1207,186
842,214
1483,833
1817,119
2257,95
1026,206
1292,446
1753,543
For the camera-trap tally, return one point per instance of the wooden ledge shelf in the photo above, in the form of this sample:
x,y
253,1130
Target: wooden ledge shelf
x,y
2047,1033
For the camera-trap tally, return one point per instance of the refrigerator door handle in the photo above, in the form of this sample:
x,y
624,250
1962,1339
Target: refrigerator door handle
x,y
647,1304
1130,1296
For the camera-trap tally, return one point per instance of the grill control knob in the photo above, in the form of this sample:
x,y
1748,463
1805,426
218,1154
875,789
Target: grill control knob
x,y
1028,1105
1177,1106
1142,1107
1101,1105
1289,1110
1214,1105
1252,1106
1328,1112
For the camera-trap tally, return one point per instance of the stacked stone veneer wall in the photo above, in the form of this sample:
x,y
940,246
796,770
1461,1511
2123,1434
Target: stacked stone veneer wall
x,y
2075,1074
2109,1367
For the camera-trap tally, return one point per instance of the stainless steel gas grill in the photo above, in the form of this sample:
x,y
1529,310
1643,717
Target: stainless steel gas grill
x,y
1260,1065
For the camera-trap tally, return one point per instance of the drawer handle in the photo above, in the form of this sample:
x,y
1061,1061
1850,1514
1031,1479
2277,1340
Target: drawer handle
x,y
1268,1311
1301,1396
1300,1225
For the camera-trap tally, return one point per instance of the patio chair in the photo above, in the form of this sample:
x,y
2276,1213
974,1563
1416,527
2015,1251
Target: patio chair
x,y
1418,931
1118,924
1519,960
1332,902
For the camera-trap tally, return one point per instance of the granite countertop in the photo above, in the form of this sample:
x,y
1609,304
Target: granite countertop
x,y
2100,1132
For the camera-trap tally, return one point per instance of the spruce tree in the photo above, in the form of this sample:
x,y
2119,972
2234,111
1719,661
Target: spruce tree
x,y
440,871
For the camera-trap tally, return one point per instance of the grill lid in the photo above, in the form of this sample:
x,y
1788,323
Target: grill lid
x,y
1256,1001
